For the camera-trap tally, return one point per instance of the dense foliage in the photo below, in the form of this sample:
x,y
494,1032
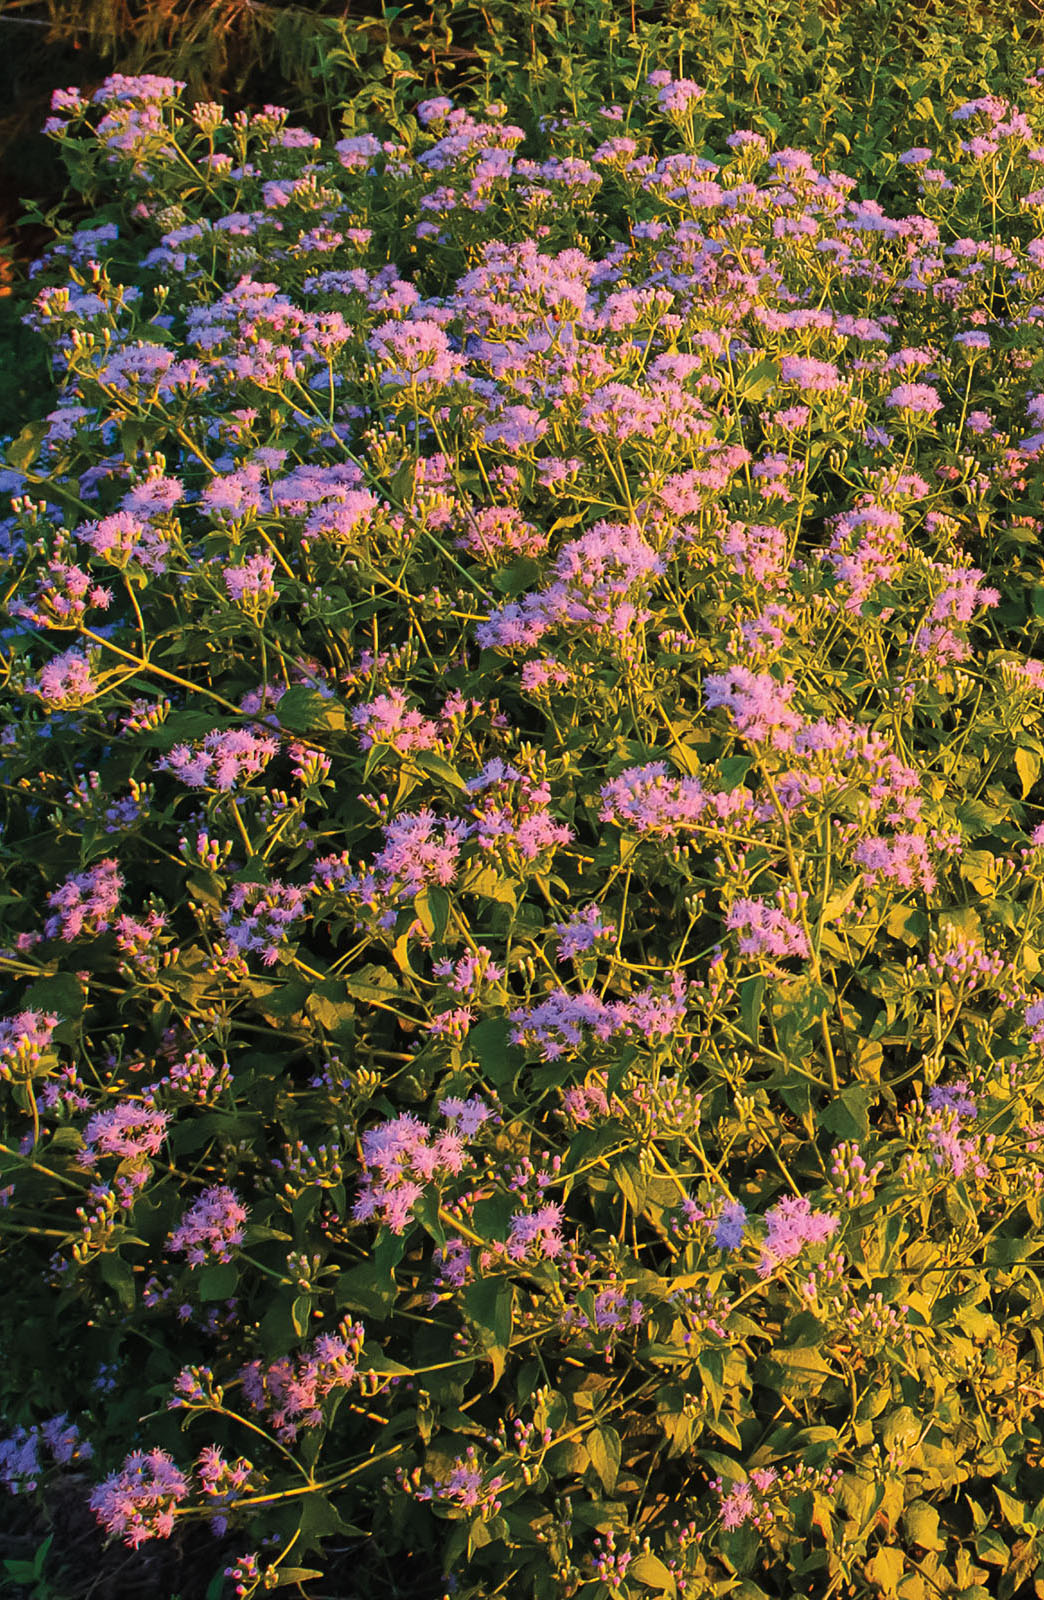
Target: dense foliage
x,y
522,868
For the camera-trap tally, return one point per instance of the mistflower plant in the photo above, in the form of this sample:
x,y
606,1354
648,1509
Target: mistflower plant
x,y
521,770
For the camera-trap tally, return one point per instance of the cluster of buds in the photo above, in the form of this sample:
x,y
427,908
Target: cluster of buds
x,y
850,1179
145,716
248,1577
302,1168
207,852
195,1390
97,1226
25,1044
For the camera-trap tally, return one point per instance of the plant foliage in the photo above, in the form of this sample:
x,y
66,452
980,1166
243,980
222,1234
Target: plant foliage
x,y
522,770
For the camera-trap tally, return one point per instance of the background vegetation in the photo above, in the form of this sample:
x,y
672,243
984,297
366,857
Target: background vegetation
x,y
955,1507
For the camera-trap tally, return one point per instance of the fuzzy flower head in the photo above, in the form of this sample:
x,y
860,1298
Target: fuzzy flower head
x,y
139,1500
758,704
221,760
24,1041
809,375
66,682
290,1392
913,400
791,1225
85,903
403,1156
126,1132
765,929
731,1226
387,720
583,931
212,1227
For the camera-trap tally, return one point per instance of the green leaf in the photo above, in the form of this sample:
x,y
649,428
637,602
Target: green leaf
x,y
488,1306
1013,1511
22,452
979,868
61,993
650,1570
218,1281
908,924
330,1006
304,710
181,727
285,1001
365,1289
991,1547
839,903
752,994
437,766
605,1450
373,983
490,1045
258,1233
733,770
118,1275
798,1004
740,1546
758,381
301,1314
886,1568
711,1366
847,1115
320,1518
489,884
795,1373
289,1575
526,573
631,1182
432,906
1027,765
920,1522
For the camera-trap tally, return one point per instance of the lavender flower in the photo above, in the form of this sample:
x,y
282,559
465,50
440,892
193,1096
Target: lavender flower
x,y
212,1227
791,1225
731,1225
138,1502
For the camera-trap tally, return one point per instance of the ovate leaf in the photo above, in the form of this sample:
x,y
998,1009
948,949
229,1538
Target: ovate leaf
x,y
604,1448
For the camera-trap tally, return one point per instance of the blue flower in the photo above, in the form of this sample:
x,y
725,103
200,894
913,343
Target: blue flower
x,y
729,1233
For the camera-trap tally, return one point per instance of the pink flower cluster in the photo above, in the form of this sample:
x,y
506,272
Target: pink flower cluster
x,y
139,1501
766,929
289,1393
86,902
402,1157
212,1227
561,1021
222,759
792,1224
24,1040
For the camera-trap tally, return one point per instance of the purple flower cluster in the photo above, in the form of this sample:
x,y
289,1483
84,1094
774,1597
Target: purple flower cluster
x,y
221,760
562,1020
125,1132
289,1393
24,1041
22,1463
758,704
792,1224
468,1485
766,929
402,1157
212,1228
139,1501
86,903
